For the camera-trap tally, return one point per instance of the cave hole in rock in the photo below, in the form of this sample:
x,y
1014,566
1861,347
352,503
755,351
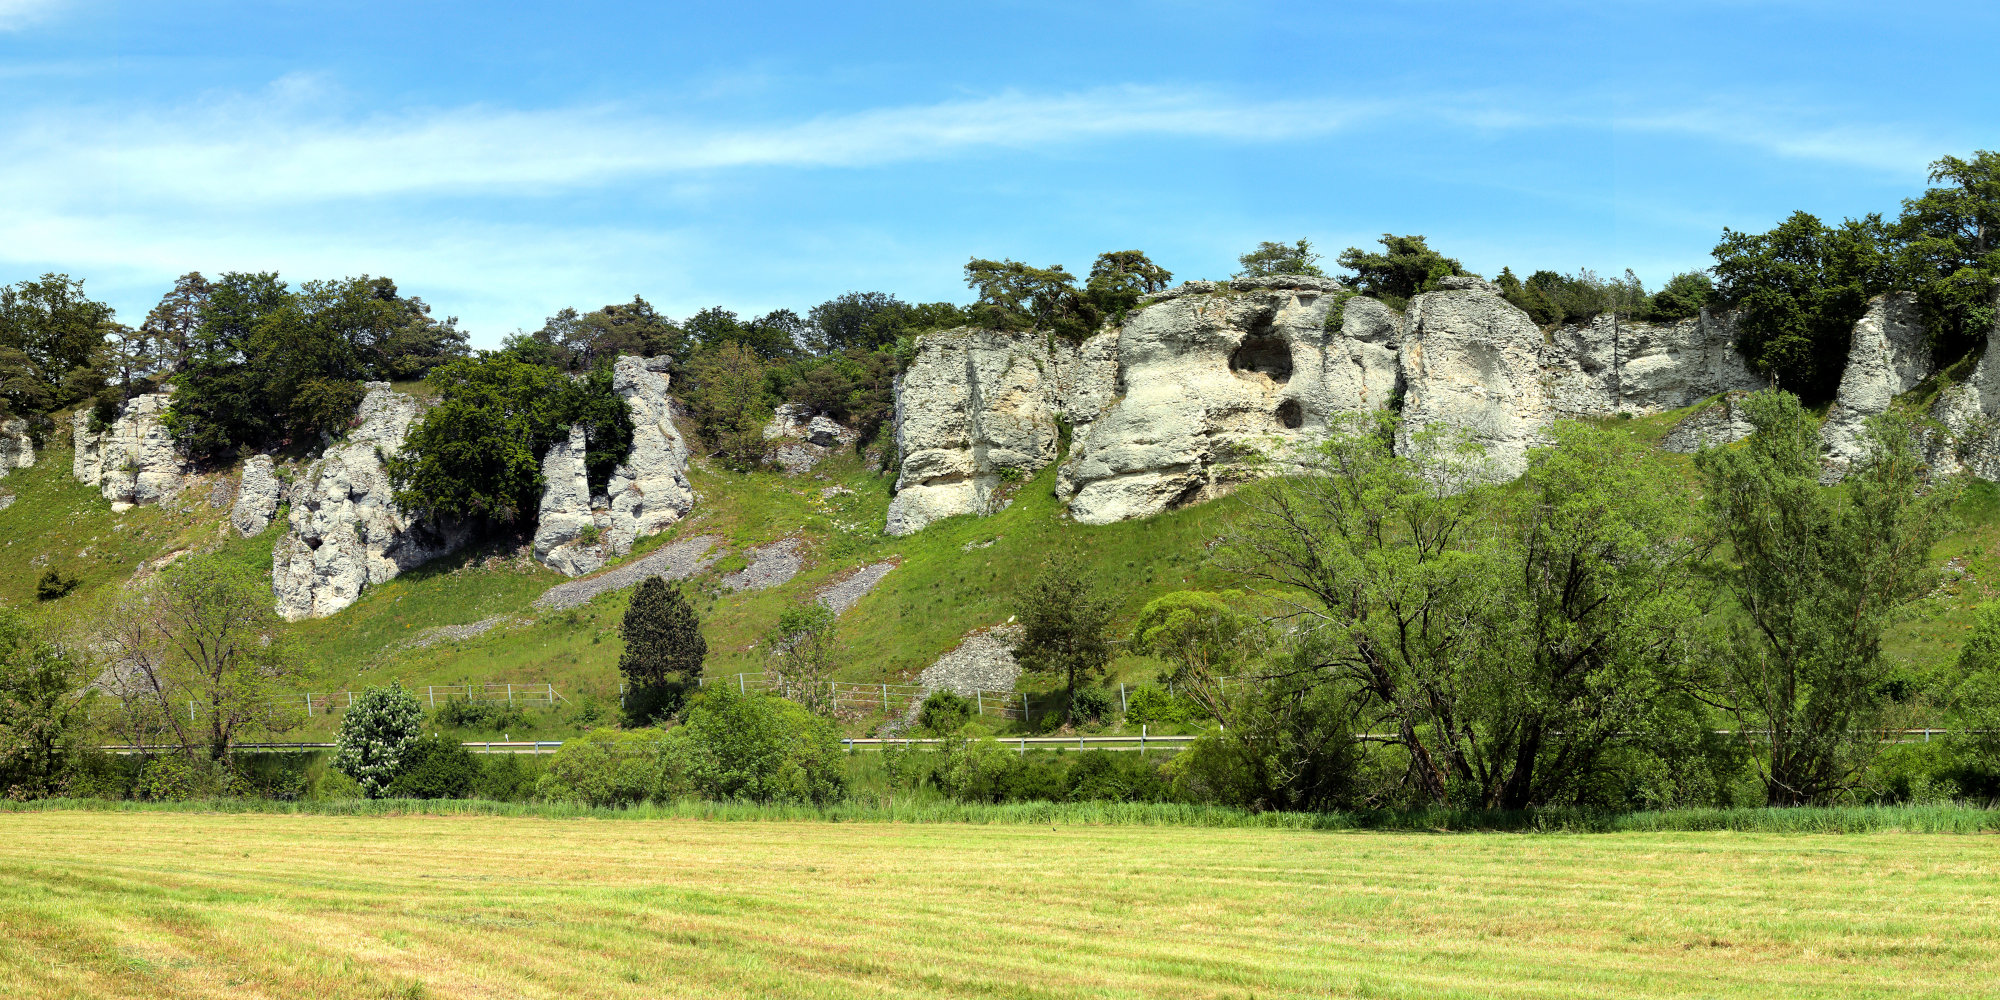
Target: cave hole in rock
x,y
1265,355
1291,414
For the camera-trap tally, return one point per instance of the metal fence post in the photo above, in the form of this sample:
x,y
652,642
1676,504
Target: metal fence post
x,y
979,698
431,691
1121,699
885,699
1024,712
510,696
740,689
309,707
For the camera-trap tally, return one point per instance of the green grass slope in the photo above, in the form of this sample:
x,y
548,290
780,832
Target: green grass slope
x,y
953,577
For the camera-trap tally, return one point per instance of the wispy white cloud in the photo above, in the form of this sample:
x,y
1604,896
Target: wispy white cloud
x,y
18,14
1800,134
277,150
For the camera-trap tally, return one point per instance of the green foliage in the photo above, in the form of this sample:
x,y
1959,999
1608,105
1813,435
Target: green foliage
x,y
1683,297
805,653
774,336
476,455
1289,745
1798,291
1949,252
729,401
1550,298
1280,258
1064,618
1119,278
434,767
944,713
609,767
376,735
269,364
51,334
983,770
178,778
1200,634
55,585
1015,296
664,650
856,387
482,716
858,323
583,342
43,710
1818,575
1406,267
1504,638
761,748
1153,705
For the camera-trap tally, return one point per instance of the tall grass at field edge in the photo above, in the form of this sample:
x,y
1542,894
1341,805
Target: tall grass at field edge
x,y
1960,819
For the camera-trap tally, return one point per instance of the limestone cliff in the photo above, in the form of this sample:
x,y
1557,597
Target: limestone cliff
x,y
1887,356
972,406
1207,389
346,532
1610,365
577,533
258,493
133,461
1471,362
569,527
17,449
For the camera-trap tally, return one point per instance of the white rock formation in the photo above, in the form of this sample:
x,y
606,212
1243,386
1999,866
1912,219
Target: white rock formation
x,y
133,461
1969,413
973,404
1471,361
649,490
1210,389
17,449
802,438
258,494
1610,366
1887,357
569,534
1720,422
346,532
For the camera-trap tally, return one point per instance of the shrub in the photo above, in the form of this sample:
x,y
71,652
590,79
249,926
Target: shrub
x,y
1406,267
610,767
1280,258
482,716
375,734
435,767
177,778
1091,704
944,712
664,651
762,748
1153,705
1108,776
55,584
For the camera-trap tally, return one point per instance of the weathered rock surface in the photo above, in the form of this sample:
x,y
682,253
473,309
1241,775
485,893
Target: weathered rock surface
x,y
1969,413
346,532
1887,357
17,449
1610,366
257,496
848,591
984,661
649,490
134,461
569,533
802,438
1212,389
973,404
673,561
770,566
1472,361
1720,422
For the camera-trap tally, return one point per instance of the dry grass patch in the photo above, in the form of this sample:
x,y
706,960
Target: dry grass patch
x,y
194,905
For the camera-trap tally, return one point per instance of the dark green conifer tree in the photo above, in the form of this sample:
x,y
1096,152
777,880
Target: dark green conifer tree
x,y
663,654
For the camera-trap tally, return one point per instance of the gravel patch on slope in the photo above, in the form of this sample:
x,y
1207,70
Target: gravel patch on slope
x,y
677,561
769,566
454,633
842,595
983,662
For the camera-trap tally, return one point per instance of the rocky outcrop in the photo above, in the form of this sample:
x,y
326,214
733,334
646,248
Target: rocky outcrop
x,y
1610,365
1968,414
649,490
1720,422
1888,356
1471,362
133,461
974,406
569,530
1209,390
346,532
17,449
258,494
800,438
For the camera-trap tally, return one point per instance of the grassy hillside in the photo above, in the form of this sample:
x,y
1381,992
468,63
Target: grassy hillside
x,y
166,904
953,577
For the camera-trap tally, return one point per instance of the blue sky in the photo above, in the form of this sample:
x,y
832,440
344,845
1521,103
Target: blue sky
x,y
504,165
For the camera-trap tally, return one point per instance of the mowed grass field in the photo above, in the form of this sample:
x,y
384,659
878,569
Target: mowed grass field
x,y
198,905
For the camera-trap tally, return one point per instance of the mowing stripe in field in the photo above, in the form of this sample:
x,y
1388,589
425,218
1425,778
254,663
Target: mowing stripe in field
x,y
198,905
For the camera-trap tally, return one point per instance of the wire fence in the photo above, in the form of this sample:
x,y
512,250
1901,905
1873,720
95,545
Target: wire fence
x,y
316,704
893,699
